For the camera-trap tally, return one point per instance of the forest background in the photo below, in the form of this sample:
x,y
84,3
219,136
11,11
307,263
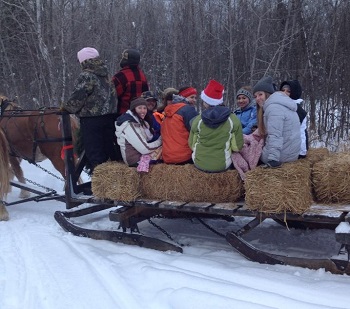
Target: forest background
x,y
185,42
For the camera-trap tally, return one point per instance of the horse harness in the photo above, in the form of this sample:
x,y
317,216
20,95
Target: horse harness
x,y
10,110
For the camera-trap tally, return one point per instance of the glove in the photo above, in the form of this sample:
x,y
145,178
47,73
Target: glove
x,y
273,164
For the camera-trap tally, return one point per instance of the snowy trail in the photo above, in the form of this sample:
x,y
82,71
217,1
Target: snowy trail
x,y
50,268
39,256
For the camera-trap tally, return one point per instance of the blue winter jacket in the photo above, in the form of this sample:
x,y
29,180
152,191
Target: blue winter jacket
x,y
247,117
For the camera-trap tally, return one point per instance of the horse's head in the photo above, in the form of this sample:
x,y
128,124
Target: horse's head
x,y
6,104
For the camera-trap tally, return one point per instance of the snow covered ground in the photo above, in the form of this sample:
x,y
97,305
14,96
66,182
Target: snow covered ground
x,y
42,266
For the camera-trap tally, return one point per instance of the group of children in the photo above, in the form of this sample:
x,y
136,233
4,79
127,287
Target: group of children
x,y
174,132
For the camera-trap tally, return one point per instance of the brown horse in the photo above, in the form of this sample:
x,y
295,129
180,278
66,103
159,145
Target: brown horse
x,y
33,135
4,175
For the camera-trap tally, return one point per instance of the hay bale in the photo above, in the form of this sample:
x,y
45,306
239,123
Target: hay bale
x,y
187,183
116,181
317,154
287,188
331,179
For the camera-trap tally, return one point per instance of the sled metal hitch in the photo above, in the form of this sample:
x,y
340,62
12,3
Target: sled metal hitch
x,y
40,196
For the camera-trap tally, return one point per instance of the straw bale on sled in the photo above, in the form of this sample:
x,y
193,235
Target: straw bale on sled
x,y
277,190
187,183
116,181
331,179
317,154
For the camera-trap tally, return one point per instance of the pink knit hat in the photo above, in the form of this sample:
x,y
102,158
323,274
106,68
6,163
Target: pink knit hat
x,y
213,93
87,53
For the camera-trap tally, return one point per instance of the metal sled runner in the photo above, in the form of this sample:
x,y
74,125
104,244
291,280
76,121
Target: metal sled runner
x,y
129,215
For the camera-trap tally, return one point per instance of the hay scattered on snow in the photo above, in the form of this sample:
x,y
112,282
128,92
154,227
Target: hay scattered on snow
x,y
186,183
317,154
331,179
287,188
116,181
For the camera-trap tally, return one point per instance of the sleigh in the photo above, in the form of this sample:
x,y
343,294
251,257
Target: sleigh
x,y
131,214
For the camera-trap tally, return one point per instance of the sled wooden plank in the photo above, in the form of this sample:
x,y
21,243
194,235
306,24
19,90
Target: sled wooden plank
x,y
123,213
244,211
196,206
224,208
171,205
333,210
147,203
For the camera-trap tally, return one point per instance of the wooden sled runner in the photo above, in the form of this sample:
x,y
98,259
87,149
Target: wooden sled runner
x,y
129,215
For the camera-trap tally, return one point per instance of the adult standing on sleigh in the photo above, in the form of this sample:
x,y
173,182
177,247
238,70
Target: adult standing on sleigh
x,y
130,82
93,100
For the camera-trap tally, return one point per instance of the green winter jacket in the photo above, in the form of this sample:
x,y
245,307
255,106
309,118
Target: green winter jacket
x,y
214,135
93,93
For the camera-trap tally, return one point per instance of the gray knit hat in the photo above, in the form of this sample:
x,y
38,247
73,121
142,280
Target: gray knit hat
x,y
137,102
246,93
265,84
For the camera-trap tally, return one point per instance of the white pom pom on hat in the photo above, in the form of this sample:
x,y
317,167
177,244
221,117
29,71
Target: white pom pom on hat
x,y
87,53
213,93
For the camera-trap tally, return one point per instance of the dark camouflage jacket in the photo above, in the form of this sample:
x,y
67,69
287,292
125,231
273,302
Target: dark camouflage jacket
x,y
93,94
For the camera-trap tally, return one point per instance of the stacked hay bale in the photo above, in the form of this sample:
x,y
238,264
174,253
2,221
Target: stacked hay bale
x,y
116,181
317,154
331,179
278,190
187,183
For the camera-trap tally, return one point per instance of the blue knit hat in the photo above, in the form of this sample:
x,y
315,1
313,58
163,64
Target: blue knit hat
x,y
265,84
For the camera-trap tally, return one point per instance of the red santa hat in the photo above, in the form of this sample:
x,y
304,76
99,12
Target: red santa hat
x,y
213,93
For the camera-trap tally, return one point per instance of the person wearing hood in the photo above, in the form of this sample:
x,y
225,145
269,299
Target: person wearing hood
x,y
278,123
134,131
93,100
175,130
292,88
130,81
215,133
246,111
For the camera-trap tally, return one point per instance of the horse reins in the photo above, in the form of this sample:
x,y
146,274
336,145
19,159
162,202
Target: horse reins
x,y
19,112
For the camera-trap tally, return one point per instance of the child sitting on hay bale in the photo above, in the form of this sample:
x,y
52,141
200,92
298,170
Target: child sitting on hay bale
x,y
216,133
279,122
134,130
175,130
278,137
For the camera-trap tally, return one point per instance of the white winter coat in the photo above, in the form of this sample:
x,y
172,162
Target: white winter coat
x,y
132,139
283,129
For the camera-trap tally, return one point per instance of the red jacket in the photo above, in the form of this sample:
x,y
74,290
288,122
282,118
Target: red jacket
x,y
129,83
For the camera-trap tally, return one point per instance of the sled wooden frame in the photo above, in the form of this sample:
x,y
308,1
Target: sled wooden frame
x,y
130,214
